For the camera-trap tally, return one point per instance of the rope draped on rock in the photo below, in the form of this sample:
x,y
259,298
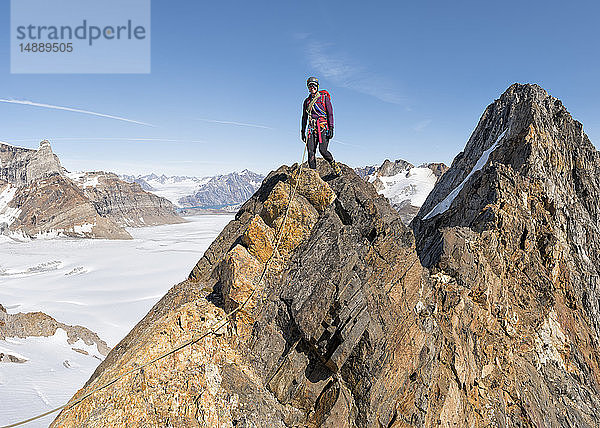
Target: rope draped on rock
x,y
211,330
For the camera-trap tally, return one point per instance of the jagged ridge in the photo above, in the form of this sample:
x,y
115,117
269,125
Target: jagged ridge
x,y
349,329
342,288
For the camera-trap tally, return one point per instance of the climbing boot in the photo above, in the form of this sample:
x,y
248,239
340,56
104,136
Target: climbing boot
x,y
336,168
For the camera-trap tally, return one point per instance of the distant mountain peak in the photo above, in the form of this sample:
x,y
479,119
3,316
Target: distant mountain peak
x,y
405,185
223,190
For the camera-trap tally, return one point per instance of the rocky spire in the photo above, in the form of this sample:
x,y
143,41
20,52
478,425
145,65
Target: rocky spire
x,y
513,229
20,166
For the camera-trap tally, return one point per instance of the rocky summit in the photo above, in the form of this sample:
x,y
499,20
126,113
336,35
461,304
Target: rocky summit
x,y
21,166
511,232
484,314
325,340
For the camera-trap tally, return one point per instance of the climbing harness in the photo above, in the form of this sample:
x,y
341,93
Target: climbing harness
x,y
211,330
317,126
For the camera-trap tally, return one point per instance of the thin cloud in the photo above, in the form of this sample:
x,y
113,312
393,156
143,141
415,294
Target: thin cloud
x,y
419,126
344,72
300,36
228,122
343,143
76,110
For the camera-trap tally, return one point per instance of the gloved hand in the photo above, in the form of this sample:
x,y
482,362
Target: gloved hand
x,y
303,135
330,133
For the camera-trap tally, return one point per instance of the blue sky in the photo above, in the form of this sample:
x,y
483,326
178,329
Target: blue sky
x,y
408,79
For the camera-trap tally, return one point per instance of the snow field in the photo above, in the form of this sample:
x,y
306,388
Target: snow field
x,y
106,286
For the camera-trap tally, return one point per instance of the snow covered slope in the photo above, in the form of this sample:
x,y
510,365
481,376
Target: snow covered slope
x,y
409,186
405,185
7,214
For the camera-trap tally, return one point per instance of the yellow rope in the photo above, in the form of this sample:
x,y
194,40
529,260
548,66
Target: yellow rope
x,y
211,330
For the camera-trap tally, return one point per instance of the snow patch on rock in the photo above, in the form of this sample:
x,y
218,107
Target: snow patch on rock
x,y
84,228
84,179
443,206
8,214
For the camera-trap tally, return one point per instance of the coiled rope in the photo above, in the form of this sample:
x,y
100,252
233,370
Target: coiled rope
x,y
211,330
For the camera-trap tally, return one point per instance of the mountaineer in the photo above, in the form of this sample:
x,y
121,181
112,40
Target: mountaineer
x,y
317,112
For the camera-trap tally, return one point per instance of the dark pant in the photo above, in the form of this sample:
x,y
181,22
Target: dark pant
x,y
312,141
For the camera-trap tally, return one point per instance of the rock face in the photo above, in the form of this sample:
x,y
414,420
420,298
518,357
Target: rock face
x,y
21,166
57,205
328,338
489,317
127,204
511,231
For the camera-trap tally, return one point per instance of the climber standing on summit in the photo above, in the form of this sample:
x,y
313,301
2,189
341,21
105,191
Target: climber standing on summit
x,y
317,113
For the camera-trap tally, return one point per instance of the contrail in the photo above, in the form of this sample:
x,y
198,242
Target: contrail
x,y
93,113
85,139
227,122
